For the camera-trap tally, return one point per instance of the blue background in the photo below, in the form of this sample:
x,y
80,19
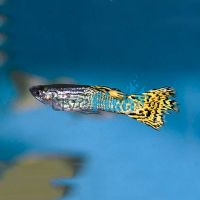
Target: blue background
x,y
113,43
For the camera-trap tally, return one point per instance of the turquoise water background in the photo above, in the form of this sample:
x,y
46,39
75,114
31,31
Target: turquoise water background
x,y
115,43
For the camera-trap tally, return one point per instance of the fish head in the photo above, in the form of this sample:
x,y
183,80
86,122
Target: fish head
x,y
42,93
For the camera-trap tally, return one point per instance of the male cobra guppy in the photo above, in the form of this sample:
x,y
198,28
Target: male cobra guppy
x,y
149,107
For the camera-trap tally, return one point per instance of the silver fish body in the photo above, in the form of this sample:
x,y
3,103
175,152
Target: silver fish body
x,y
65,97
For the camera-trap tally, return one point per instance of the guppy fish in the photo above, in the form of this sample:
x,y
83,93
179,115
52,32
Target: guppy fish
x,y
149,107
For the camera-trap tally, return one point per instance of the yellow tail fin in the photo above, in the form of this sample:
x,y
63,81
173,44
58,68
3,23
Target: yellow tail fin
x,y
150,107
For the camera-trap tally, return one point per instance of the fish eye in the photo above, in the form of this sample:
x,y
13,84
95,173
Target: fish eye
x,y
37,92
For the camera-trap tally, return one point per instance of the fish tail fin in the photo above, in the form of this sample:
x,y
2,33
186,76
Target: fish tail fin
x,y
150,107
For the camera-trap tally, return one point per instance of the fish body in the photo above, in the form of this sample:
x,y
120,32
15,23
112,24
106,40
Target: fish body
x,y
148,107
83,98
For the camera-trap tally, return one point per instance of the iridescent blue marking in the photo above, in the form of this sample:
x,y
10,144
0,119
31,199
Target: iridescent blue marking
x,y
103,101
107,102
99,99
117,107
113,108
124,104
95,102
132,104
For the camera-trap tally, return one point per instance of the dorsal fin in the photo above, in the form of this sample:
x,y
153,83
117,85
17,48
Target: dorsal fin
x,y
115,93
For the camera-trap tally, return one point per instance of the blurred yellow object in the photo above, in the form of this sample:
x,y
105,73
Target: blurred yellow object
x,y
30,178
